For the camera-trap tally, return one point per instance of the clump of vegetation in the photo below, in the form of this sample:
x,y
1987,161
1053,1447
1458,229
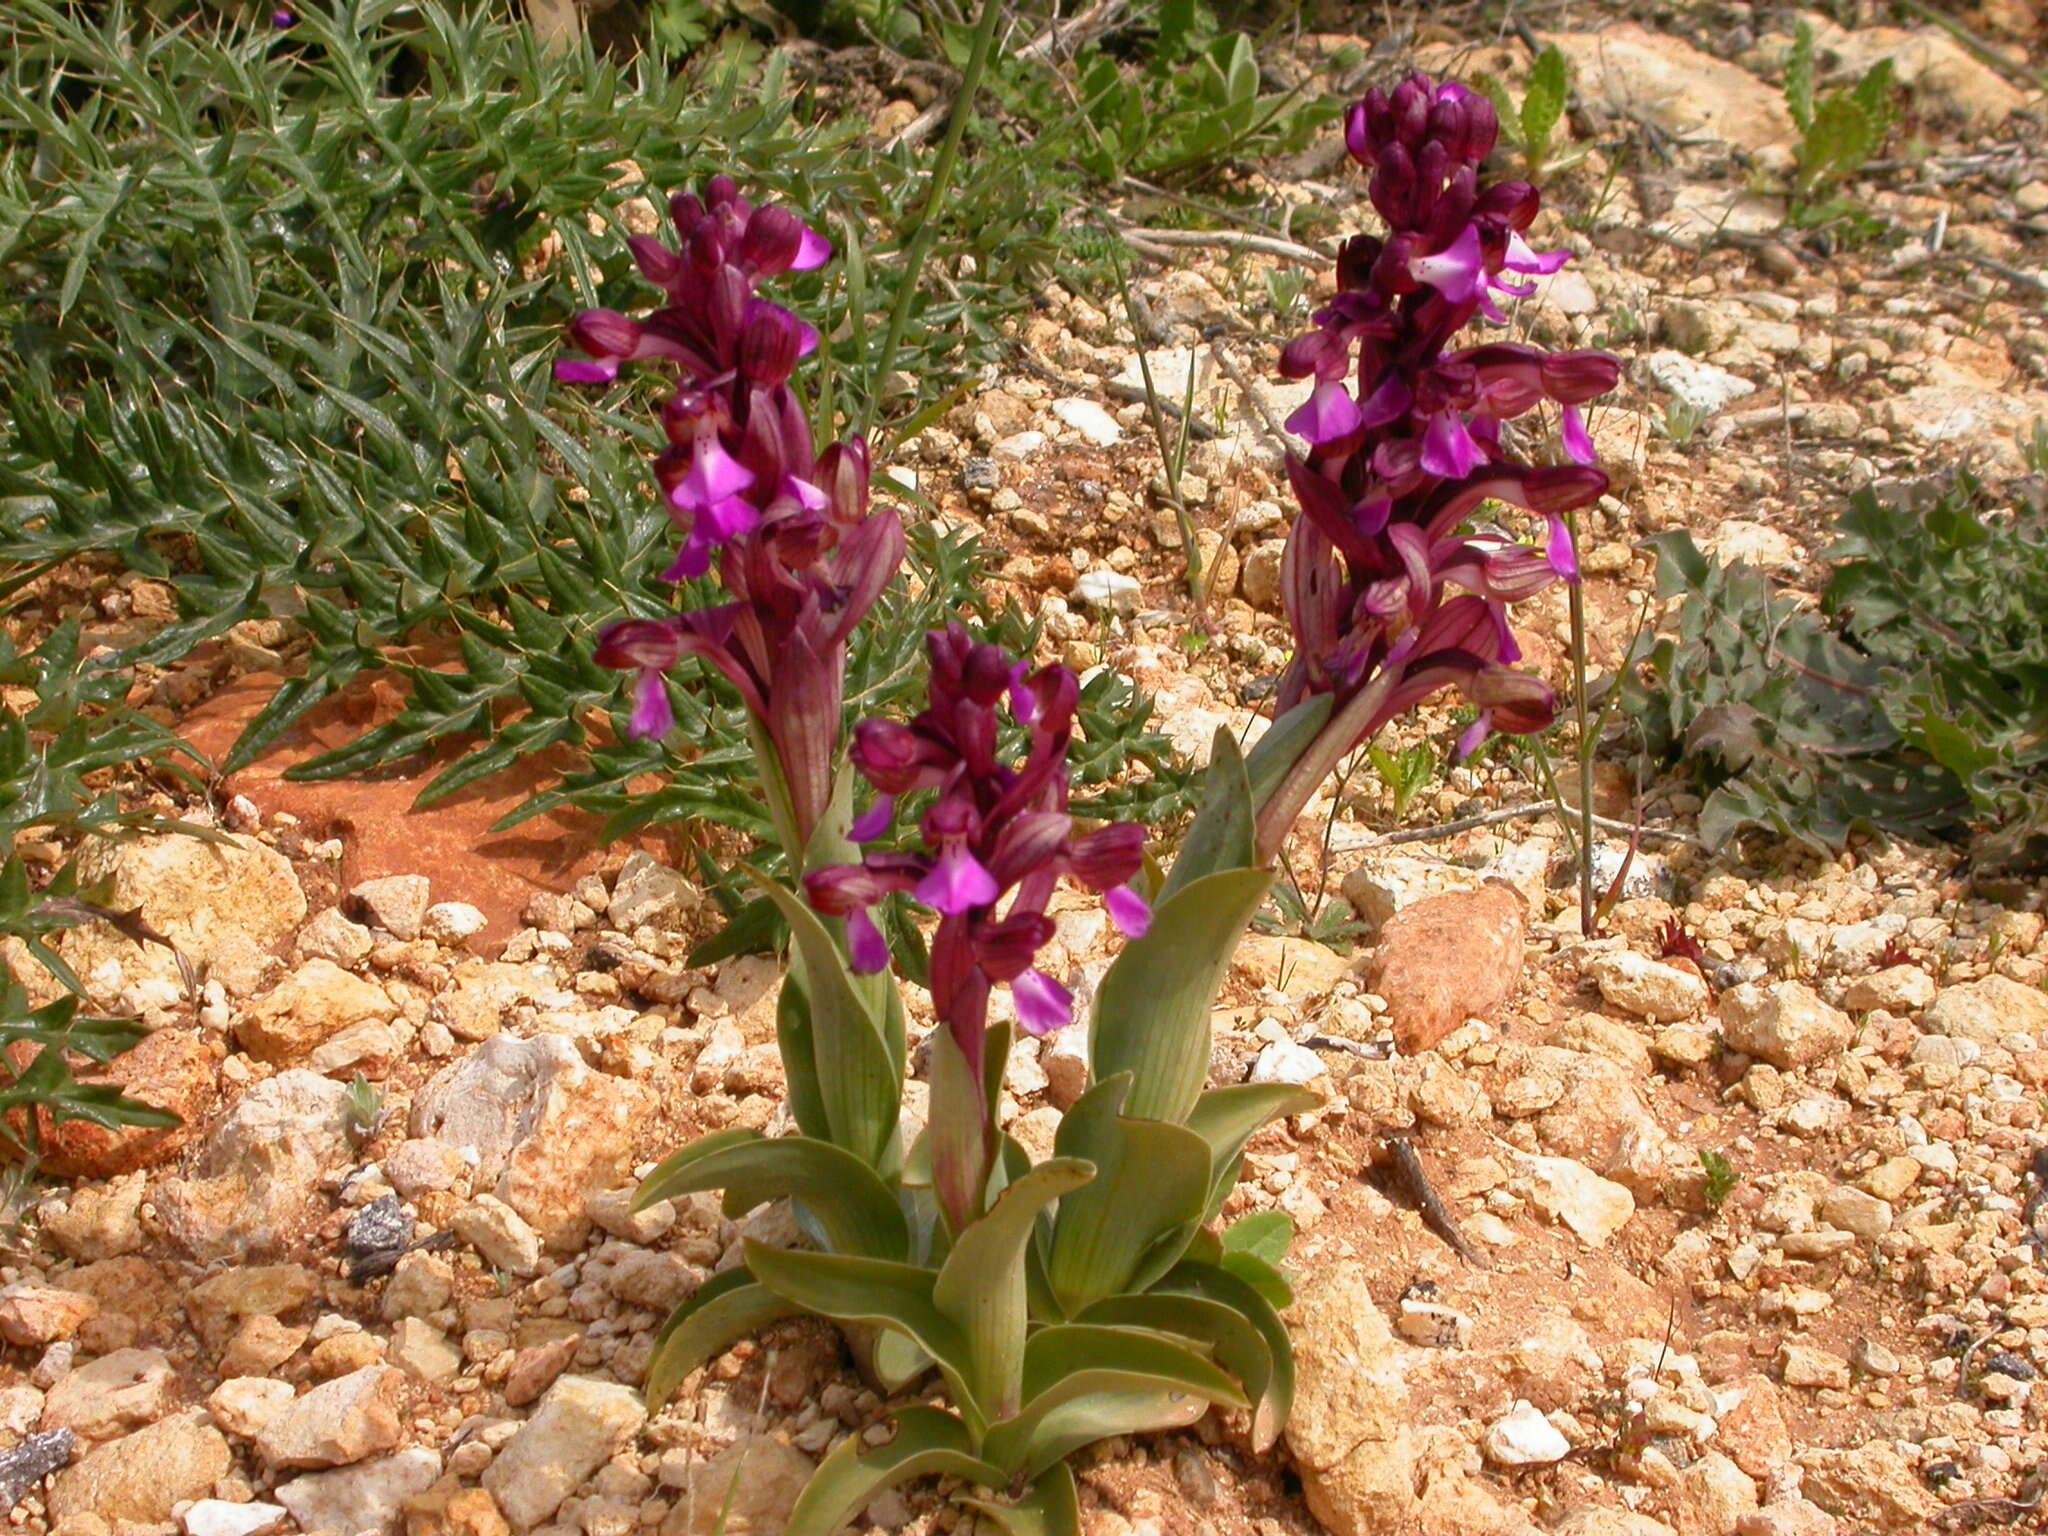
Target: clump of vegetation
x,y
56,757
1839,133
1722,1179
1912,700
281,303
1530,126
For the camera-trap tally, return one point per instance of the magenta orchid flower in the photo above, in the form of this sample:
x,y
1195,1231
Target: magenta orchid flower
x,y
993,846
1388,601
789,531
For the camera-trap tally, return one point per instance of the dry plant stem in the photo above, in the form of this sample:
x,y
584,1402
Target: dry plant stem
x,y
1252,397
2019,74
1435,1214
1146,333
1513,813
1223,239
557,24
1099,18
928,215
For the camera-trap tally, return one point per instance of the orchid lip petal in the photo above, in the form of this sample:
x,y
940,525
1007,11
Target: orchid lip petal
x,y
1129,911
874,821
1522,257
1043,1005
1458,271
714,476
576,370
1328,414
1578,442
813,250
652,717
1023,702
728,519
692,560
958,881
1448,449
1560,550
1472,738
865,944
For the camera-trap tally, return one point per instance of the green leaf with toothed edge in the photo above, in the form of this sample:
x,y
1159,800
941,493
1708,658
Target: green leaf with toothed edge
x,y
853,1207
928,1443
1542,105
726,1308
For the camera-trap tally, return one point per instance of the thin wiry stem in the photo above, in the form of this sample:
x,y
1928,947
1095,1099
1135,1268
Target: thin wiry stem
x,y
928,216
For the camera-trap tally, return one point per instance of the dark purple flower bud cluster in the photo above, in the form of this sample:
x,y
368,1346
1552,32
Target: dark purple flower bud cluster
x,y
798,548
996,836
1404,437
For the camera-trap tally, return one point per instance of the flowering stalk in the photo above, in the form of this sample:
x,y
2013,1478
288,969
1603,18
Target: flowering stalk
x,y
995,841
1388,600
796,546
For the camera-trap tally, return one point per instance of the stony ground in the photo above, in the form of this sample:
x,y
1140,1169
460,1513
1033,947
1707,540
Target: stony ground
x,y
385,1277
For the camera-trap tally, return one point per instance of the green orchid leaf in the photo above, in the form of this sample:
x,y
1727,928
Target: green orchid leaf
x,y
797,1043
1052,1507
1152,1181
854,1208
1211,1282
877,1291
726,1308
1100,1415
1265,1235
898,1361
982,1288
1227,1118
1078,1376
1220,836
928,1443
859,1078
1285,740
1152,1011
1266,1279
1227,1334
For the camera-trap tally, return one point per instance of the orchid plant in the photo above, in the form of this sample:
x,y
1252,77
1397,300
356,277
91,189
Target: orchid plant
x,y
1091,1294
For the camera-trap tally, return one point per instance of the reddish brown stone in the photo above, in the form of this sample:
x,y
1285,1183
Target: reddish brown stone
x,y
382,831
173,1069
1446,959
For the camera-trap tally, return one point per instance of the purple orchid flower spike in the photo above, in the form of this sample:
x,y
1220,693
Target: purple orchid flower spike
x,y
789,533
1387,601
993,846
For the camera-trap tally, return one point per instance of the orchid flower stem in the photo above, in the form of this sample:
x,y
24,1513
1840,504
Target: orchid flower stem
x,y
1347,730
934,202
1588,918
